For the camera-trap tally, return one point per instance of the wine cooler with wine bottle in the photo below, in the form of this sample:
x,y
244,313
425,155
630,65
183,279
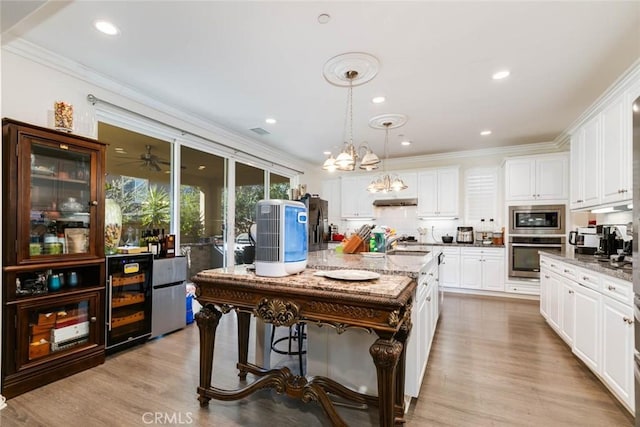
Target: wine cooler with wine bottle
x,y
128,309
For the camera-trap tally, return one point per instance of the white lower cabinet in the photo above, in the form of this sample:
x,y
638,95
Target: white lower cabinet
x,y
450,268
593,313
617,357
567,311
482,268
586,342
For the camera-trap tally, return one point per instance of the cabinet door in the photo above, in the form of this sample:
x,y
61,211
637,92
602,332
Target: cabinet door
x,y
586,341
450,270
471,271
493,273
428,193
448,192
519,179
52,327
355,200
616,157
545,279
331,193
57,202
553,302
592,165
567,311
552,178
618,347
576,165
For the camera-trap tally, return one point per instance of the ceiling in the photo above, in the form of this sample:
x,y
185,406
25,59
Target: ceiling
x,y
236,63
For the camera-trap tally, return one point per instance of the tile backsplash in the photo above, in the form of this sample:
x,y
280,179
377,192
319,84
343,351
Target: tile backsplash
x,y
404,220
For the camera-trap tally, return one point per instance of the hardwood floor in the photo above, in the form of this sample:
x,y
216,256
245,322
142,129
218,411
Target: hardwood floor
x,y
494,362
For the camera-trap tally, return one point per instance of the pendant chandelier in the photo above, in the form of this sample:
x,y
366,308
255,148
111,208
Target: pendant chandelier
x,y
349,156
386,183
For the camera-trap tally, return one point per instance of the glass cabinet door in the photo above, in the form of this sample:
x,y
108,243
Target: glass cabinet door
x,y
48,329
60,200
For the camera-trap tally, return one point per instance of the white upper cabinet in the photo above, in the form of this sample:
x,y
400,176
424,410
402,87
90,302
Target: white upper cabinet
x,y
331,193
601,168
355,200
534,178
585,165
616,151
438,192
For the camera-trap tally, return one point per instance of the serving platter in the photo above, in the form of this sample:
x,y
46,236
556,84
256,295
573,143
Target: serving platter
x,y
351,275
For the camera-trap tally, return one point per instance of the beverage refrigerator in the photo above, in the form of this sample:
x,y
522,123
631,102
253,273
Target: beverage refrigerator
x,y
636,261
128,300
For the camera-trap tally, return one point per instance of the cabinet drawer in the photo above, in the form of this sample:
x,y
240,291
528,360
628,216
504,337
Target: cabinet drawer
x,y
568,271
618,289
492,252
552,265
524,288
588,278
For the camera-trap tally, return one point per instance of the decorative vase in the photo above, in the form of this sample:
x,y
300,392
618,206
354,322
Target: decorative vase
x,y
112,226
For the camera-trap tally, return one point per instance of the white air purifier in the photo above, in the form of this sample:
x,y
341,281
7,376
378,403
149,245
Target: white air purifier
x,y
281,238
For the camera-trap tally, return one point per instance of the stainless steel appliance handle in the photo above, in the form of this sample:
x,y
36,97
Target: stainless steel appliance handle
x,y
533,245
109,301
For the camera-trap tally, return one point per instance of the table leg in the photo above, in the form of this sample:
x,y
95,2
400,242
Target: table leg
x,y
401,336
385,354
244,320
207,320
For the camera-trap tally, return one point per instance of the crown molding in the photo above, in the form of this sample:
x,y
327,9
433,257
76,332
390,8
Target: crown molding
x,y
630,77
511,150
204,127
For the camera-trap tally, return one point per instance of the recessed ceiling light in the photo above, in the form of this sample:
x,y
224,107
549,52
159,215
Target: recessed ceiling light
x,y
119,149
106,27
485,132
501,75
326,153
405,143
323,18
636,108
201,167
270,121
378,99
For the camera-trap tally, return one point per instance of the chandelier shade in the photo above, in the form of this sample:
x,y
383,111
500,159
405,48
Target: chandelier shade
x,y
386,183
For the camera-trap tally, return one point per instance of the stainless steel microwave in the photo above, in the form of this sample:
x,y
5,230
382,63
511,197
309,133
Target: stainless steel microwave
x,y
537,219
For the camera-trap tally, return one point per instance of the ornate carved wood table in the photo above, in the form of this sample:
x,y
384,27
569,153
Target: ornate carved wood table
x,y
382,306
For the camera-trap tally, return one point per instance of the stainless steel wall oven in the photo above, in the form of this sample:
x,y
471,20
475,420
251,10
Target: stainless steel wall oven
x,y
524,260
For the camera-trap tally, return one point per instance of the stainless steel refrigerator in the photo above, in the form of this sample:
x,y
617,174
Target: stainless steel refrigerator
x,y
636,261
318,220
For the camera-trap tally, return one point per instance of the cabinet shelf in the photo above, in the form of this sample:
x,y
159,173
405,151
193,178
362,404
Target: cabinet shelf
x,y
126,319
55,179
117,281
127,299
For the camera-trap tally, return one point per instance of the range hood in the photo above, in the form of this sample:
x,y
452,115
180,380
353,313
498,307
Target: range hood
x,y
396,202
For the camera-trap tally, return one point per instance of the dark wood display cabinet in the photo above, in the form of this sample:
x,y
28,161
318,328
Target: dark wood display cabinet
x,y
53,264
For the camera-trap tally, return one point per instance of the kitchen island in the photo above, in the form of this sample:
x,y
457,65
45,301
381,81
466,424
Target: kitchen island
x,y
381,306
327,354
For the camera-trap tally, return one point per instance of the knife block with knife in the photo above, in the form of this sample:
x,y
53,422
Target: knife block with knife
x,y
358,242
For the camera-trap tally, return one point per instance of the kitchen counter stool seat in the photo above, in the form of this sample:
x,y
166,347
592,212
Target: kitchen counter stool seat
x,y
296,333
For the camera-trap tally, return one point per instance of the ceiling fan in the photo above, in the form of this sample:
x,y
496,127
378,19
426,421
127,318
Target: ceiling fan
x,y
150,161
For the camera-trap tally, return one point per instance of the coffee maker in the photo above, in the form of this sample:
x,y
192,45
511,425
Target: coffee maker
x,y
613,241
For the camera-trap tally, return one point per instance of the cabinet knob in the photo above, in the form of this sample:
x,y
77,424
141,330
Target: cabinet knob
x,y
93,319
628,320
546,277
566,271
428,298
570,291
611,288
93,203
585,278
430,274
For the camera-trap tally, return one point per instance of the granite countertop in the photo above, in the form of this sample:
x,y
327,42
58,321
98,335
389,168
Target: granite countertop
x,y
404,265
386,286
591,262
